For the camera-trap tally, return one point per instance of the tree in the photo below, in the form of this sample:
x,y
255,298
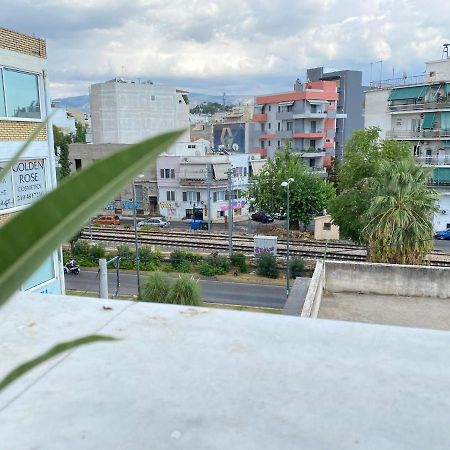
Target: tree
x,y
399,230
61,146
364,154
308,194
80,134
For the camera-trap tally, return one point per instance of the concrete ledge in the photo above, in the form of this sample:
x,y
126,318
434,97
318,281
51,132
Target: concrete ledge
x,y
314,294
297,297
388,279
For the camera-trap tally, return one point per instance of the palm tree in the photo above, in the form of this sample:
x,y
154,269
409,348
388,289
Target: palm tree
x,y
399,228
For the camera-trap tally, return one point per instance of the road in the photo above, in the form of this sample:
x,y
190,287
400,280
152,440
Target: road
x,y
267,296
443,246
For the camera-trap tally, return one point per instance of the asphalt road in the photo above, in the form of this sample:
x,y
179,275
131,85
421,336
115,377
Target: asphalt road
x,y
267,296
443,246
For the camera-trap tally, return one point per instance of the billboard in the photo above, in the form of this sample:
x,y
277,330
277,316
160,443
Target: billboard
x,y
229,136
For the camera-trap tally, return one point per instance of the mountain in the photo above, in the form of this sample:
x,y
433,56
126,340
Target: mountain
x,y
82,101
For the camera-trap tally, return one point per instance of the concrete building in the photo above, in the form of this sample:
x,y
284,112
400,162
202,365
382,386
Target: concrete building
x,y
350,102
24,104
126,112
325,229
417,110
306,117
183,185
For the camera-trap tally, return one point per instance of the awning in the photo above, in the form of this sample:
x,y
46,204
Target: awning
x,y
408,93
257,165
220,171
445,120
193,172
317,102
285,103
428,121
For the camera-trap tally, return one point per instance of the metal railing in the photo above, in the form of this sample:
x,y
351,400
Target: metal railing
x,y
419,106
423,134
434,160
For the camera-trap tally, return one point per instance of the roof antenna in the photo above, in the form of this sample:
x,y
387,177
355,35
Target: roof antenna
x,y
445,51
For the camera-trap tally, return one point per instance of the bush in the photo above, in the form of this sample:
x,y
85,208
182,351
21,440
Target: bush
x,y
266,265
127,226
96,251
124,251
177,257
194,257
239,262
296,267
156,288
221,262
158,255
185,291
81,248
208,270
147,256
185,266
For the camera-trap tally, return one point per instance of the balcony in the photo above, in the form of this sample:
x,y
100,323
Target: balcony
x,y
310,115
284,115
284,134
434,160
309,135
259,118
418,106
418,135
267,136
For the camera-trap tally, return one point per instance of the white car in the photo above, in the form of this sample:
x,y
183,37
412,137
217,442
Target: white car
x,y
159,222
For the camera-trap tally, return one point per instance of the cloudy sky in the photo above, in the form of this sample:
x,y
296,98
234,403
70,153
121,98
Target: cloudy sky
x,y
237,46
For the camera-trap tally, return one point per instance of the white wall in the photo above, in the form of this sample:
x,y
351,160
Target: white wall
x,y
376,111
442,218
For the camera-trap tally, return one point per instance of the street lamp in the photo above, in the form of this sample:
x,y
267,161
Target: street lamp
x,y
286,185
136,238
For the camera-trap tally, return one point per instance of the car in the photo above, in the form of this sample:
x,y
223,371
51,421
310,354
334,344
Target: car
x,y
106,219
262,217
160,222
442,234
279,216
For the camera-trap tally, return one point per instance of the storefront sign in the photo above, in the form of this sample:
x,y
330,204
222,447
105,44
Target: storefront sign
x,y
237,204
24,184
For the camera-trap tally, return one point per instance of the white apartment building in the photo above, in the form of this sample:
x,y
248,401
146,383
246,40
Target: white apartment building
x,y
126,112
417,110
24,104
183,185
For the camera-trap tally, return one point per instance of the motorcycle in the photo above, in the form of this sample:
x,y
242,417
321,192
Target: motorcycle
x,y
72,267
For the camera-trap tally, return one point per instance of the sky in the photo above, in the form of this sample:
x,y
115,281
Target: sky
x,y
235,46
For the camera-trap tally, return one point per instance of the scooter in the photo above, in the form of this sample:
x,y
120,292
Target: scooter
x,y
72,267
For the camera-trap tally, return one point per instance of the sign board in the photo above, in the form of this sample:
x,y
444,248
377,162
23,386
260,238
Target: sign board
x,y
24,183
265,244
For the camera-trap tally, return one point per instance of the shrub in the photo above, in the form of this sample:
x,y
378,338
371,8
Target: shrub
x,y
296,267
127,226
147,256
156,288
208,270
221,262
194,257
158,255
124,251
81,248
96,251
239,262
185,266
185,291
266,265
177,257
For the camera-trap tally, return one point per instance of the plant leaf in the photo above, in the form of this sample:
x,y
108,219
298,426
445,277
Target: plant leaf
x,y
4,170
56,350
29,237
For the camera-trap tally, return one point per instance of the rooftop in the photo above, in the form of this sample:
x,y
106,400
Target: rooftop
x,y
199,378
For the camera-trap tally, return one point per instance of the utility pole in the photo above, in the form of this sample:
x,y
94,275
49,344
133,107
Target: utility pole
x,y
136,242
230,213
209,173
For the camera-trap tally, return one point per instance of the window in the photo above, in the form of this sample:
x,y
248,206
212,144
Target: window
x,y
170,196
279,126
268,144
172,173
21,95
219,196
161,173
289,108
279,144
313,108
279,108
166,173
262,144
139,191
327,226
269,125
152,98
191,196
312,143
270,108
289,126
2,97
77,164
245,171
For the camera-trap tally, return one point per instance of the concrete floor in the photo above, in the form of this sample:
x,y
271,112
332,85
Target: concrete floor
x,y
420,312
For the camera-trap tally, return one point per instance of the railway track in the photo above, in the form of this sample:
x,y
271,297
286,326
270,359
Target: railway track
x,y
205,241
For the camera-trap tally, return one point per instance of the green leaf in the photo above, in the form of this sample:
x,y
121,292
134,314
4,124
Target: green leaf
x,y
56,350
29,237
5,169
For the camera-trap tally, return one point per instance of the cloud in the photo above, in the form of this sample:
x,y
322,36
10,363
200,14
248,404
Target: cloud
x,y
237,46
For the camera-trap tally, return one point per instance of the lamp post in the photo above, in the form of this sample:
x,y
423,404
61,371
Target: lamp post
x,y
286,185
136,239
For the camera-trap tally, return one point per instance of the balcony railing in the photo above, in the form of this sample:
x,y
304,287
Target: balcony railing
x,y
434,160
423,134
418,106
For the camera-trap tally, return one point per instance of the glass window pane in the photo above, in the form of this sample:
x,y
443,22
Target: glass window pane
x,y
22,94
2,98
43,274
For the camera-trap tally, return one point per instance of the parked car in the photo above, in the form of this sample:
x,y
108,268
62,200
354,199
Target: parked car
x,y
280,216
106,219
160,222
442,234
262,217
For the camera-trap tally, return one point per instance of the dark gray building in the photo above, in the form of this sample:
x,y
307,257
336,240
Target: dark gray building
x,y
350,102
